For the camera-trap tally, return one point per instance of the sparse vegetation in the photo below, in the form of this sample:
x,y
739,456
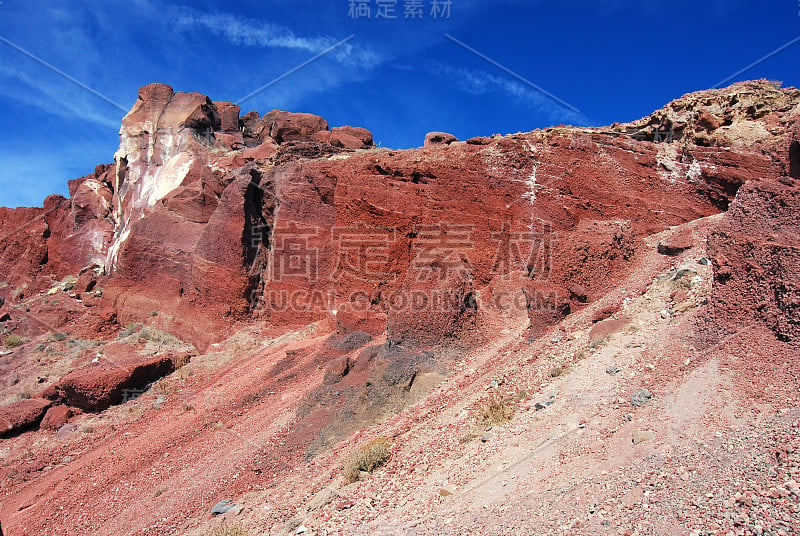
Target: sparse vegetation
x,y
598,342
521,394
494,410
12,341
56,337
366,458
181,360
557,371
228,530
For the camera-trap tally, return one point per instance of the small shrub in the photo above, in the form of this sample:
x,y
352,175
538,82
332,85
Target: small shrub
x,y
522,394
12,341
228,530
56,337
181,360
557,371
366,458
494,410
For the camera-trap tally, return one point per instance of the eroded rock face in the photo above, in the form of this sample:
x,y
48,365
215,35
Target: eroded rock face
x,y
208,216
186,170
756,256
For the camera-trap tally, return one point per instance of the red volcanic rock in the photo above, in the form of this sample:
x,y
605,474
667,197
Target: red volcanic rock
x,y
755,252
287,126
436,302
577,292
604,329
351,137
56,417
439,138
228,116
202,222
605,312
86,282
707,121
19,416
676,243
547,305
266,150
251,128
336,370
211,228
109,379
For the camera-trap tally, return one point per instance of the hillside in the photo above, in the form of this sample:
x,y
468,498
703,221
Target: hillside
x,y
565,331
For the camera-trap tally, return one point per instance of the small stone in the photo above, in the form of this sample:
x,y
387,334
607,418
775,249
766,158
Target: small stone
x,y
447,491
487,436
223,506
641,397
66,430
613,369
301,530
641,436
345,505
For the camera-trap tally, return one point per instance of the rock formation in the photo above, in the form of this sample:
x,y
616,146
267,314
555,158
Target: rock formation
x,y
375,268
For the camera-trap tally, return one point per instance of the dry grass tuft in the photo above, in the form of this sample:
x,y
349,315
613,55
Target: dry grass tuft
x,y
228,530
181,360
494,410
557,371
12,341
366,458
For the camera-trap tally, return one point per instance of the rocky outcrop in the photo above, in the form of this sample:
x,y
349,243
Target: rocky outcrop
x,y
439,138
19,416
756,256
108,380
209,217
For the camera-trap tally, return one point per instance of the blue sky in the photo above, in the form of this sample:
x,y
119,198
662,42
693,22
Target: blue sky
x,y
611,60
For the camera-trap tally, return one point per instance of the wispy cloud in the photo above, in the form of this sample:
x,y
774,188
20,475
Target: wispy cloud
x,y
246,32
478,82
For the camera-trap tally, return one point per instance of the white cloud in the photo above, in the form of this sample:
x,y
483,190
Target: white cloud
x,y
242,31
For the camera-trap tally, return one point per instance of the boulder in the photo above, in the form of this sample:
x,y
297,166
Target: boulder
x,y
604,329
439,138
676,243
228,116
577,293
56,417
351,137
110,380
20,416
284,126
